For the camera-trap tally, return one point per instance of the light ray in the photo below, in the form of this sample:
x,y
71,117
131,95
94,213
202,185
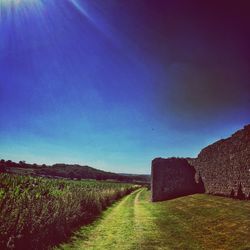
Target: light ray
x,y
81,9
17,3
22,7
95,18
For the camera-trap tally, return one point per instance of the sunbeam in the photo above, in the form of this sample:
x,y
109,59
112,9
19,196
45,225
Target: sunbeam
x,y
19,8
96,18
80,8
16,3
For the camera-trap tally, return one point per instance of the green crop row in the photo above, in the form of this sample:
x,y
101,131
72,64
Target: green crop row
x,y
36,213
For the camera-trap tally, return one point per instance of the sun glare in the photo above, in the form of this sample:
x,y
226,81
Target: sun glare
x,y
10,2
20,8
16,2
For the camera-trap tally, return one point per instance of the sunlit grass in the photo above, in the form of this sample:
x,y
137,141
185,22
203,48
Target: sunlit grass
x,y
192,222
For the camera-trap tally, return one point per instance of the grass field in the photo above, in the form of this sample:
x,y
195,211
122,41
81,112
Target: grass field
x,y
193,222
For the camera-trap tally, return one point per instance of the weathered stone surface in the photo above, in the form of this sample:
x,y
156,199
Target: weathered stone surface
x,y
223,167
172,178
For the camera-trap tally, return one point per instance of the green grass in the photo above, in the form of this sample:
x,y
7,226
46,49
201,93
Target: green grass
x,y
193,222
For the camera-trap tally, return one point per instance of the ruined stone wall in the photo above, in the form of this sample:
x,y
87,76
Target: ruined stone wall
x,y
223,168
172,178
225,165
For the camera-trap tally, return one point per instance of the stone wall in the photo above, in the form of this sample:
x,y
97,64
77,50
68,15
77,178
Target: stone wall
x,y
172,178
223,167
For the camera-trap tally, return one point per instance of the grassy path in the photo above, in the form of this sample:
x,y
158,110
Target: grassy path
x,y
191,222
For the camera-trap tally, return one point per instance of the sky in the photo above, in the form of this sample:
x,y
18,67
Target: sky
x,y
114,84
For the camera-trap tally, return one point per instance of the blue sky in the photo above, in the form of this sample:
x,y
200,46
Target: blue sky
x,y
114,84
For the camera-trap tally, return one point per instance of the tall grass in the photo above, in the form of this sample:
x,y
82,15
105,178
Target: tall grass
x,y
36,212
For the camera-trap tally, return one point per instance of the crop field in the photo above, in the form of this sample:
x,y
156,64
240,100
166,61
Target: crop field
x,y
36,213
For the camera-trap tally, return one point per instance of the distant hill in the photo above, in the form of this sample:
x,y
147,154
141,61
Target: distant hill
x,y
74,171
138,177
